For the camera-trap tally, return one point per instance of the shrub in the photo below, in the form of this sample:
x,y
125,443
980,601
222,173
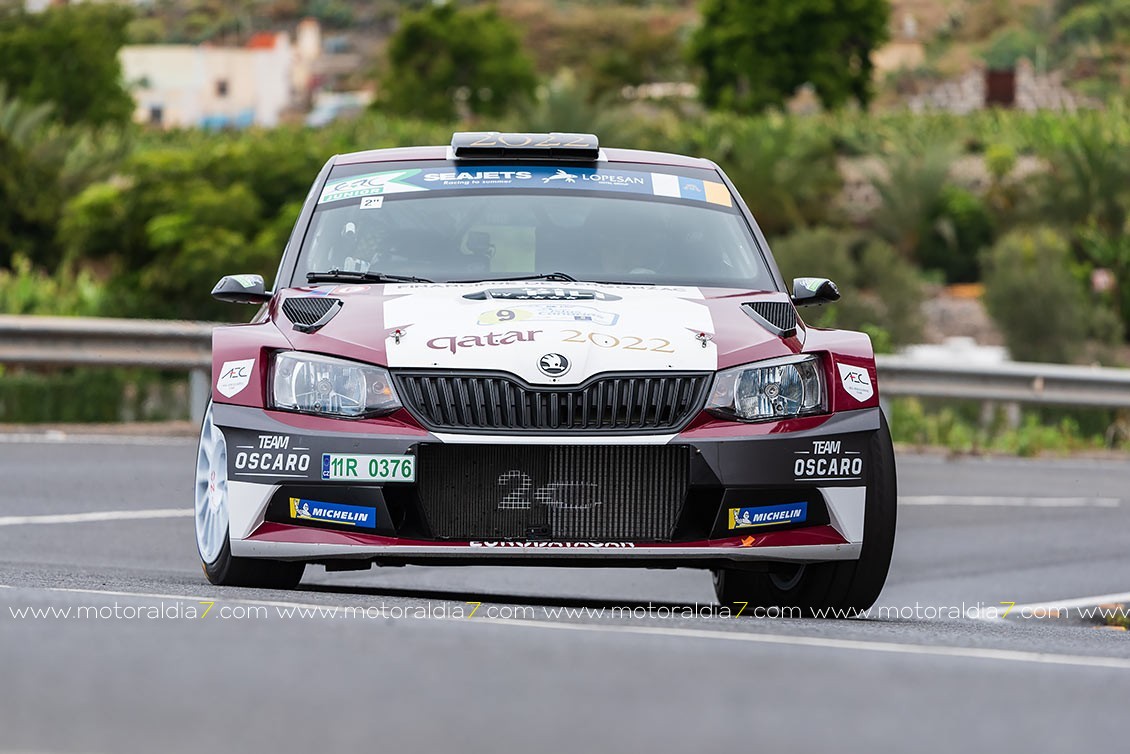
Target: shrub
x,y
880,289
1033,296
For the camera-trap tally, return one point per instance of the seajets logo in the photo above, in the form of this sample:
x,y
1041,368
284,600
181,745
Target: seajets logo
x,y
827,461
857,382
234,376
560,175
480,176
553,365
454,342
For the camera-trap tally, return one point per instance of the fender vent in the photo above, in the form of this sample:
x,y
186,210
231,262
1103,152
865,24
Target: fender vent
x,y
778,316
310,313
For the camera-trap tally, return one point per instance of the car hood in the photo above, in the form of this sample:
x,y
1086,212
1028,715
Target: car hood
x,y
545,333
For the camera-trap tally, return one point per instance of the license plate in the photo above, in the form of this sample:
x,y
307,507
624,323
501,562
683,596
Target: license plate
x,y
366,468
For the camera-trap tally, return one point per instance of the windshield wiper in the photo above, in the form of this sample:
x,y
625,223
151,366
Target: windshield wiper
x,y
331,276
560,276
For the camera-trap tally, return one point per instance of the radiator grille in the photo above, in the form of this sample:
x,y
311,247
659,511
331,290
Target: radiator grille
x,y
306,310
487,402
553,493
781,315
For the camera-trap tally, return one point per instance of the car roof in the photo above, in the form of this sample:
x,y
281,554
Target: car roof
x,y
441,153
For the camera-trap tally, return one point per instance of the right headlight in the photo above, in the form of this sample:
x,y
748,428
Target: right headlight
x,y
773,389
316,384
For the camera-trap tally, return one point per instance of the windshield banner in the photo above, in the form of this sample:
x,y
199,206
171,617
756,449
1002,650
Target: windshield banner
x,y
526,177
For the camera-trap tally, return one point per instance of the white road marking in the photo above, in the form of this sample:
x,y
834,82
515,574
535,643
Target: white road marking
x,y
1014,502
80,518
973,653
1099,599
59,438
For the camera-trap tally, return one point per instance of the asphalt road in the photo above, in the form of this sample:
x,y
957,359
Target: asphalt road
x,y
415,674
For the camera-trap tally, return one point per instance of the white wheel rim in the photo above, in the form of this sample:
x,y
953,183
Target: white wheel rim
x,y
211,491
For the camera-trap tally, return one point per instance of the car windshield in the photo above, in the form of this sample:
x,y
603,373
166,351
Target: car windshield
x,y
464,223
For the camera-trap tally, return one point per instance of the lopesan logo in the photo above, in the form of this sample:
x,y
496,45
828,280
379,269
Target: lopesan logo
x,y
454,342
614,179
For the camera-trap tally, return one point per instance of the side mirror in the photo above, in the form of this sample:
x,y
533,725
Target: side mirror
x,y
241,289
814,291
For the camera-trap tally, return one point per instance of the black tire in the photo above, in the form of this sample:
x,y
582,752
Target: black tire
x,y
252,572
213,528
836,589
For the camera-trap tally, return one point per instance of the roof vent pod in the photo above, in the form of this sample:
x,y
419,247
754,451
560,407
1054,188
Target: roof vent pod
x,y
311,313
779,317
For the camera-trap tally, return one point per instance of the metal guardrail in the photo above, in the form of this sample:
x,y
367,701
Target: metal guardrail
x,y
161,344
81,341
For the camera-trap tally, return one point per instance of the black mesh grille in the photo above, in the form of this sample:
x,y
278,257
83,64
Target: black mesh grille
x,y
306,310
553,493
779,314
637,403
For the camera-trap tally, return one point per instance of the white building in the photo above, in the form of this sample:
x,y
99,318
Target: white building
x,y
211,87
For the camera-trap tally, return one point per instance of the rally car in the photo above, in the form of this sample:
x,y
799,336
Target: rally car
x,y
527,349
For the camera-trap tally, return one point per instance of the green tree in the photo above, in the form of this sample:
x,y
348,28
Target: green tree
x,y
1033,296
33,153
882,294
67,56
757,54
445,61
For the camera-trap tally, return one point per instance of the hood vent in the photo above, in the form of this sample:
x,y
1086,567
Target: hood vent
x,y
311,313
779,317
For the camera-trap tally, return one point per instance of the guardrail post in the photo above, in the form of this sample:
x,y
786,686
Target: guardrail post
x,y
199,391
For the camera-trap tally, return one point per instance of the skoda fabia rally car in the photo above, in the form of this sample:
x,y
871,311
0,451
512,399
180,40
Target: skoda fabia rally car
x,y
526,349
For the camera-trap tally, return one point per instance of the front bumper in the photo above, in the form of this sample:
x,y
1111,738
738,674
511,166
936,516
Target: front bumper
x,y
821,462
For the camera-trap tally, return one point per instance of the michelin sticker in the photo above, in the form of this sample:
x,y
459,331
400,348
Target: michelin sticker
x,y
769,515
333,513
234,377
856,381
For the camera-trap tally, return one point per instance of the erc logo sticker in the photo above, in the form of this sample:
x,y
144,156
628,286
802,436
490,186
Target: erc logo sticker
x,y
857,382
234,376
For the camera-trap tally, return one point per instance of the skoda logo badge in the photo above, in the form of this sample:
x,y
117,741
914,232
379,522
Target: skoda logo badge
x,y
553,365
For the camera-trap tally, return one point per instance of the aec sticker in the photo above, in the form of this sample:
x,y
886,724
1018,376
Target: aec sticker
x,y
856,381
234,376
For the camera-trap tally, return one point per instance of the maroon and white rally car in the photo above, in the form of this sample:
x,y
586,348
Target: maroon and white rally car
x,y
526,349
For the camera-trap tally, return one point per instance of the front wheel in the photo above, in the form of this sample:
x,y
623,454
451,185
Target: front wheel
x,y
837,589
213,540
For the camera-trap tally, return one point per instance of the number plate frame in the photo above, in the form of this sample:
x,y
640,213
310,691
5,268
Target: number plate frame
x,y
360,467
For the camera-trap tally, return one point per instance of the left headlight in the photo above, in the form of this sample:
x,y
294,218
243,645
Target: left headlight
x,y
773,389
316,384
